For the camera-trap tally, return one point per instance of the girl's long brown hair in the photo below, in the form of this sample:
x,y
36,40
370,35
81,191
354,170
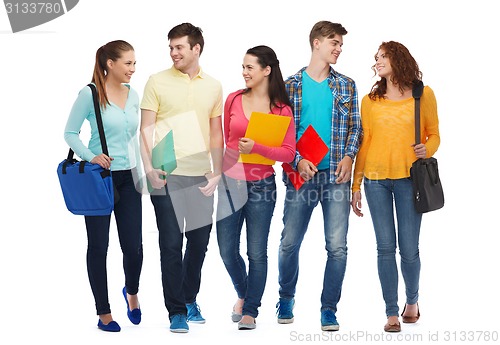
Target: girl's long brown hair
x,y
112,50
266,56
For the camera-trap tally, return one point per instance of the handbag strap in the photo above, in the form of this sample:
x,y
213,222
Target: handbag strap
x,y
418,88
100,126
228,193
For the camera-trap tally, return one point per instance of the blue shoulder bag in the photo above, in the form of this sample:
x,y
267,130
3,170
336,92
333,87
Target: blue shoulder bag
x,y
87,188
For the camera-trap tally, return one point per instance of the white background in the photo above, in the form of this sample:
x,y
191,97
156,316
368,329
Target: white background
x,y
45,294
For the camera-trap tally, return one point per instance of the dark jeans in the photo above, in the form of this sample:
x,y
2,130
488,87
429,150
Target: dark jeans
x,y
128,217
182,203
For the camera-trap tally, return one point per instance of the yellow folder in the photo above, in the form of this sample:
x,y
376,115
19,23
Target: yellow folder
x,y
265,129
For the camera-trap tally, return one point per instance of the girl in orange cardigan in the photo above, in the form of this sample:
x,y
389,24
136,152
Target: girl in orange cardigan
x,y
384,160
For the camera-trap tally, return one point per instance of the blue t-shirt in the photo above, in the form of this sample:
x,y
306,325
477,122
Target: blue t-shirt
x,y
317,106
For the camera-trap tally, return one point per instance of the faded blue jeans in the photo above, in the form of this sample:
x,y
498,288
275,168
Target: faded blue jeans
x,y
299,205
383,196
251,202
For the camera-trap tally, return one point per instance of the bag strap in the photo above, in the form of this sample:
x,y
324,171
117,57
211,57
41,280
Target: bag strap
x,y
228,193
100,126
98,117
418,88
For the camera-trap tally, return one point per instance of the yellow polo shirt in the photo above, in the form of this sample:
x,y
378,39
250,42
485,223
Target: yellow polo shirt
x,y
185,106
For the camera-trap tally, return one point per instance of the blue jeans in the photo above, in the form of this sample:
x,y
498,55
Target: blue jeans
x,y
382,196
299,205
128,217
182,203
252,202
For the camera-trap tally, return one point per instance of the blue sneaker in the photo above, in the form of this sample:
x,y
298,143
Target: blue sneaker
x,y
285,310
193,313
329,321
178,324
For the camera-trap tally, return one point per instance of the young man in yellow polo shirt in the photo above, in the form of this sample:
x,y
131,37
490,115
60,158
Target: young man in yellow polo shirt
x,y
185,100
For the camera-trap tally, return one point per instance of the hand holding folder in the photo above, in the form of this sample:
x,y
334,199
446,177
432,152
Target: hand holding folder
x,y
311,147
163,156
265,129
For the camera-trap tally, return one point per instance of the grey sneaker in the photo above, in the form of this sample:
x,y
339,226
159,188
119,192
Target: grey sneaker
x,y
329,321
235,317
246,326
285,310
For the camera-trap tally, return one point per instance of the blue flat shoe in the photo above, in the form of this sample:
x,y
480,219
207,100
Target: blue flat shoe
x,y
113,326
135,315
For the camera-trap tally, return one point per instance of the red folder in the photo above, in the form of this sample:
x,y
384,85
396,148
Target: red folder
x,y
311,147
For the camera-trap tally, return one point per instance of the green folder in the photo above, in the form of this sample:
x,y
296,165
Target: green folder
x,y
163,156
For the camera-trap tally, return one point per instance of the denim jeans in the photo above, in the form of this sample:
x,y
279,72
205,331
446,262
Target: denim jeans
x,y
181,202
383,196
128,217
299,205
251,202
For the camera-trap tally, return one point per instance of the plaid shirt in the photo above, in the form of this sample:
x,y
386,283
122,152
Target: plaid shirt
x,y
346,130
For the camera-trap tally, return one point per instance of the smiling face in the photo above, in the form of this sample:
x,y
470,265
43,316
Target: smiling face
x,y
329,49
184,57
123,68
253,73
383,65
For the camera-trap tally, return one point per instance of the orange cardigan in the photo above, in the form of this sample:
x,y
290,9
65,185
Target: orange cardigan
x,y
386,151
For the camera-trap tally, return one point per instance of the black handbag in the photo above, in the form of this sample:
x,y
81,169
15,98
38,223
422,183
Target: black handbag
x,y
427,189
87,188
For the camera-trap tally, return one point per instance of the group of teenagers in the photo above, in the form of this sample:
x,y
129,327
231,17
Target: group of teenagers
x,y
374,147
